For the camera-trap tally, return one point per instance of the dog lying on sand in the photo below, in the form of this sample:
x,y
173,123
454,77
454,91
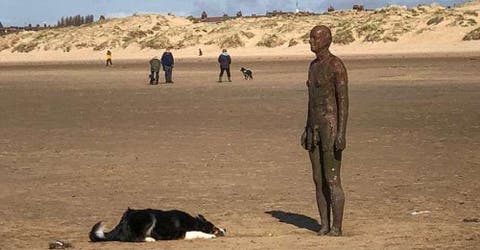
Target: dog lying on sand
x,y
149,225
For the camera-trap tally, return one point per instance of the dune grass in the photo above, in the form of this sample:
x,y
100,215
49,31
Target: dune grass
x,y
472,35
343,36
271,41
25,47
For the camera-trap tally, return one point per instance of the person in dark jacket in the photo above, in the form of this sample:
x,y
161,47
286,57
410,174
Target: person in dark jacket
x,y
167,63
224,60
154,69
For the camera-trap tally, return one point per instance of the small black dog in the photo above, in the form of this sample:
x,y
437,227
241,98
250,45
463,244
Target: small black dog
x,y
149,225
247,74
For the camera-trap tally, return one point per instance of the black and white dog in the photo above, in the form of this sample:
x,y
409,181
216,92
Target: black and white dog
x,y
247,74
149,225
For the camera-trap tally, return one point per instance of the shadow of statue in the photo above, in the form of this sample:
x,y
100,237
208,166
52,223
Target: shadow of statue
x,y
298,220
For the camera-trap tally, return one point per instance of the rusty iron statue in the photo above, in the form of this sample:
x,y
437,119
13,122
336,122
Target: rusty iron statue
x,y
324,135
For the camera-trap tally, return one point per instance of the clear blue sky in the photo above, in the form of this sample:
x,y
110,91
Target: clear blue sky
x,y
23,12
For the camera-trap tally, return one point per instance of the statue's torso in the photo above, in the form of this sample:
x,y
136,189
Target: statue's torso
x,y
321,93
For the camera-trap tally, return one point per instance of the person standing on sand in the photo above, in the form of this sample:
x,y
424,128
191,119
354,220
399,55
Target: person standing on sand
x,y
155,64
167,63
109,58
224,60
325,129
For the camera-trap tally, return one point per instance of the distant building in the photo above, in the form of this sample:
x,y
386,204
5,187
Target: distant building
x,y
305,13
358,7
278,13
331,9
9,30
213,19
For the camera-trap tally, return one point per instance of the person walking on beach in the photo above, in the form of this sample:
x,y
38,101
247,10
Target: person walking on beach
x,y
224,60
167,63
154,70
109,58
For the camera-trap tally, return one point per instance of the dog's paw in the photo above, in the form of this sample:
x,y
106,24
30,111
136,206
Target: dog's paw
x,y
149,239
198,235
210,236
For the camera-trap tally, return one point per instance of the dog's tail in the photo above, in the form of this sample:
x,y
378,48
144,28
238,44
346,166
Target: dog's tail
x,y
98,233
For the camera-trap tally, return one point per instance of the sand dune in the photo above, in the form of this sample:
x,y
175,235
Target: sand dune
x,y
390,30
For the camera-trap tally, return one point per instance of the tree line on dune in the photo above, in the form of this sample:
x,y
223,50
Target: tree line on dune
x,y
76,20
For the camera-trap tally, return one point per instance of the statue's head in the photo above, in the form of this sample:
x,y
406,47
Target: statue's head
x,y
320,38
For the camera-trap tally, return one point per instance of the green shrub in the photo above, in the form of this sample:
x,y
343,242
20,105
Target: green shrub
x,y
305,38
472,35
232,41
292,42
375,36
268,24
435,20
247,34
189,39
471,13
368,28
468,22
101,46
271,41
81,45
288,27
343,36
25,47
137,34
389,38
157,42
3,46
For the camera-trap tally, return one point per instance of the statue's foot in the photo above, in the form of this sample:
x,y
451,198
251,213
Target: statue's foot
x,y
323,231
335,232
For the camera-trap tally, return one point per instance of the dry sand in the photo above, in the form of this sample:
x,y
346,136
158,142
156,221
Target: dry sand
x,y
81,142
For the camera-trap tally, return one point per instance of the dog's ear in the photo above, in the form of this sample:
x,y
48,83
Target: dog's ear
x,y
200,217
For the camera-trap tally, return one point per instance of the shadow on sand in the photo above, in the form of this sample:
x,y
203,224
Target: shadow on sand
x,y
298,220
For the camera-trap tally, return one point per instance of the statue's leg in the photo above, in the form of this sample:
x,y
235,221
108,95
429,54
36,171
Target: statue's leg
x,y
320,185
331,162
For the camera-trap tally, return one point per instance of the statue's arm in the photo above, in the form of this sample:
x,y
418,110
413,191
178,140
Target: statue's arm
x,y
341,94
305,139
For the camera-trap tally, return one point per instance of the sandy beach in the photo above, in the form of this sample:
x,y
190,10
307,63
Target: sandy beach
x,y
81,142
